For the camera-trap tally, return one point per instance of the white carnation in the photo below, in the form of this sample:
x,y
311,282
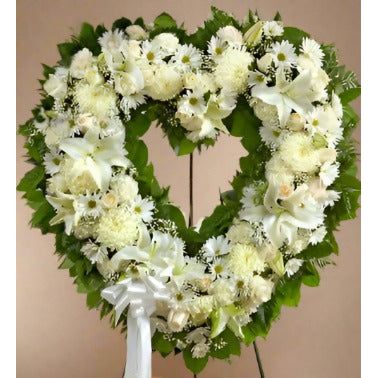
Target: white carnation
x,y
167,42
230,35
136,32
81,62
165,83
118,228
292,266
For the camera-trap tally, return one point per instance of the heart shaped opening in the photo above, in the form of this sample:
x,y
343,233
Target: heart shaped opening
x,y
213,169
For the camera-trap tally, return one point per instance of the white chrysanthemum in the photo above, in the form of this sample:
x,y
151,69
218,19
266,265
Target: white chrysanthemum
x,y
136,32
118,228
244,260
200,81
312,50
292,266
215,246
318,235
232,70
143,208
271,136
218,268
267,113
166,42
329,172
53,162
273,28
80,63
165,84
231,35
283,54
89,205
94,252
298,152
125,187
99,100
200,350
240,233
86,228
111,41
187,58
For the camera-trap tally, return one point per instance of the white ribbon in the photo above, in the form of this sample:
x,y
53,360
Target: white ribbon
x,y
141,296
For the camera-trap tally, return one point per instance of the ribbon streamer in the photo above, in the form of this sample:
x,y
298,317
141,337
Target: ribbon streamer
x,y
141,296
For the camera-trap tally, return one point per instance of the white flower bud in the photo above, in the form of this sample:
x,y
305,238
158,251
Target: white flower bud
x,y
177,320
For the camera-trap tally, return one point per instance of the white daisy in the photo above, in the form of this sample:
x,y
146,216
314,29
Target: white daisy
x,y
192,102
272,29
215,246
187,58
312,50
89,205
53,162
142,207
283,54
216,47
151,53
218,268
257,78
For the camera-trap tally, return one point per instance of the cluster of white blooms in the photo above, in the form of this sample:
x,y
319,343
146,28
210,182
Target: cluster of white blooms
x,y
92,186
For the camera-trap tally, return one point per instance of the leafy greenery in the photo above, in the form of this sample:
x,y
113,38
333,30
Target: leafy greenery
x,y
243,124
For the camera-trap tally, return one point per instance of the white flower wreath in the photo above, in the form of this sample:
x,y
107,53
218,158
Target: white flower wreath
x,y
125,243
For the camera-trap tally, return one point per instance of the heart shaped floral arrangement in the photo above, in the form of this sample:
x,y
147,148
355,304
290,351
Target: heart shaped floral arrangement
x,y
198,290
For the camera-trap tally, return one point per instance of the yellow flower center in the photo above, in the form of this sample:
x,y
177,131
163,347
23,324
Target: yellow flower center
x,y
185,59
150,56
193,101
281,57
92,204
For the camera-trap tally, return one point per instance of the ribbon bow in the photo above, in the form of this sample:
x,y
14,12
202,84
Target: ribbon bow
x,y
141,295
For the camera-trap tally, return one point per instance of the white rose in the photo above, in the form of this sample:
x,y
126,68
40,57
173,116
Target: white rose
x,y
136,32
230,34
110,200
167,42
265,62
177,320
85,121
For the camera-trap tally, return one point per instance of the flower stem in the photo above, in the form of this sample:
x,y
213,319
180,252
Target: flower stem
x,y
259,363
191,190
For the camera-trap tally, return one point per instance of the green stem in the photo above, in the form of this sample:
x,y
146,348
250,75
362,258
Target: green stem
x,y
259,363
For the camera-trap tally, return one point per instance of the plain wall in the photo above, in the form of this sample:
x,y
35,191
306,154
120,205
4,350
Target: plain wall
x,y
57,336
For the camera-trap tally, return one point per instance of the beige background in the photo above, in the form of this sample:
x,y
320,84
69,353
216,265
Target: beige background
x,y
57,336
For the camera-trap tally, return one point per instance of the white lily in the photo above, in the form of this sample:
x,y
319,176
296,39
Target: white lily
x,y
98,155
287,96
281,221
64,206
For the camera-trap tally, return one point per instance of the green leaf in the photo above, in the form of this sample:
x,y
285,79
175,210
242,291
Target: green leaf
x,y
186,147
173,213
195,365
161,344
138,154
294,35
121,23
325,248
310,275
88,39
231,347
350,95
164,21
215,224
289,292
94,299
31,179
67,50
